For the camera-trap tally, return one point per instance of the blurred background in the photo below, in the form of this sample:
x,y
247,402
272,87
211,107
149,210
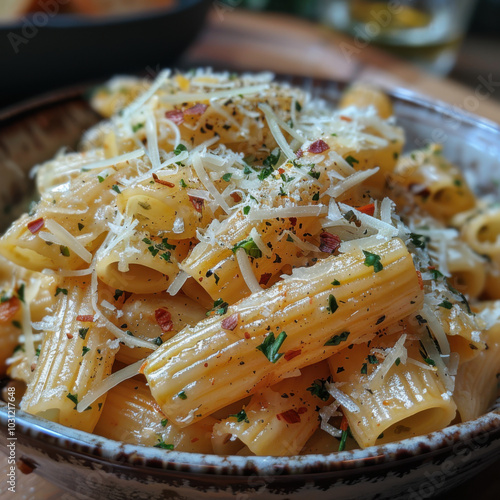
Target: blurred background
x,y
49,44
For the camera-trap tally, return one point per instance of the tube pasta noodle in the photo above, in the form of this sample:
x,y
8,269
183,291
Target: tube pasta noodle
x,y
220,268
131,415
280,419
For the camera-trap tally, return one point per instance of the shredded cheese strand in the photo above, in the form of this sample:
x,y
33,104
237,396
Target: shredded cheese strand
x,y
247,271
66,238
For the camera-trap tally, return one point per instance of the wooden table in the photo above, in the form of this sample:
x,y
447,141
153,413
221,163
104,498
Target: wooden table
x,y
243,40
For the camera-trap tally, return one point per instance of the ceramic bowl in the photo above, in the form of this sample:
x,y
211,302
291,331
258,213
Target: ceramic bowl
x,y
91,466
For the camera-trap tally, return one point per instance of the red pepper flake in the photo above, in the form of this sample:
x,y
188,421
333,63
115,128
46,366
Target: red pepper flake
x,y
329,242
302,410
176,116
264,279
206,365
231,322
35,225
367,209
195,439
86,318
197,203
281,171
292,353
345,118
164,319
161,181
197,109
9,308
318,147
289,416
236,197
299,153
420,280
69,335
344,424
247,335
293,221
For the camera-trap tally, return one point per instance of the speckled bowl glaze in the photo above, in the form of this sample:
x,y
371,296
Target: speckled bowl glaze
x,y
91,466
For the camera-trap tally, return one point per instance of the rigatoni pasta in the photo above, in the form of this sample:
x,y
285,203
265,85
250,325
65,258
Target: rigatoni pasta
x,y
220,268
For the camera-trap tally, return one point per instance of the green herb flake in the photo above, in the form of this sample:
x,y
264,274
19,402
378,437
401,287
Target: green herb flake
x,y
241,416
85,350
64,250
220,308
351,160
318,389
271,345
158,341
446,304
335,282
343,440
82,333
164,446
372,259
313,174
20,292
115,188
137,127
179,149
332,304
418,240
457,182
216,279
164,422
118,294
289,238
182,395
364,369
64,291
298,106
372,359
165,256
17,324
247,170
436,274
250,248
227,177
397,362
73,398
246,210
182,183
316,196
144,205
100,178
337,339
37,352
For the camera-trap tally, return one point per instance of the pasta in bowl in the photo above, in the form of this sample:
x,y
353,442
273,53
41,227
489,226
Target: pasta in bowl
x,y
230,266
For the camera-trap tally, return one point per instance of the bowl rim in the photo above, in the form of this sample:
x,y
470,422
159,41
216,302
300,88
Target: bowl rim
x,y
482,430
77,20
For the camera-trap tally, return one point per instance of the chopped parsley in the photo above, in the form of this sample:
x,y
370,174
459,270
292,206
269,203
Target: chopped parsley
x,y
364,369
372,359
115,188
419,240
351,160
182,183
241,416
335,282
64,250
137,127
316,196
80,226
372,259
314,174
85,350
17,324
118,294
227,177
182,395
100,178
436,274
332,304
64,291
298,106
82,333
220,308
164,446
246,210
271,345
250,248
73,398
337,339
397,362
446,304
20,292
164,422
179,149
158,341
318,389
216,279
